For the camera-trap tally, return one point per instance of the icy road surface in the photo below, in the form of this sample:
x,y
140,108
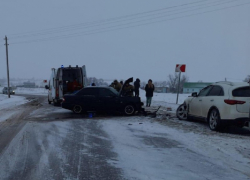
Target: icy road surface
x,y
40,141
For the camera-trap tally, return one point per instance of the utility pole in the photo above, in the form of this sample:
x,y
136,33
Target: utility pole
x,y
7,61
178,87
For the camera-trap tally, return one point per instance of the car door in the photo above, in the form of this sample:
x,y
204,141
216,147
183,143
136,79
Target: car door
x,y
195,106
214,98
108,100
87,98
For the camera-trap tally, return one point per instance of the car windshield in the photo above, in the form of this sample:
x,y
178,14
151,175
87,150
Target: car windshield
x,y
114,91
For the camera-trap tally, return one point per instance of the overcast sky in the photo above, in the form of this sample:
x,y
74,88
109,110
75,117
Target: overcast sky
x,y
119,39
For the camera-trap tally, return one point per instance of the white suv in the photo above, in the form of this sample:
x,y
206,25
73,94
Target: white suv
x,y
219,104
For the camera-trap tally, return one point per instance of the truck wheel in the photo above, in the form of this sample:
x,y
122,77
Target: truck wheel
x,y
77,109
129,110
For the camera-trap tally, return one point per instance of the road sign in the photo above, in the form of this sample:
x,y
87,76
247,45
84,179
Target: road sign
x,y
180,68
44,81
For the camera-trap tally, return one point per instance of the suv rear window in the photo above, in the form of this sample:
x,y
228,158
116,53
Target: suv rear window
x,y
241,92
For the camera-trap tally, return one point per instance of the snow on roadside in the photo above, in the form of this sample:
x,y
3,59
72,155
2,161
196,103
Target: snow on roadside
x,y
148,150
7,105
11,102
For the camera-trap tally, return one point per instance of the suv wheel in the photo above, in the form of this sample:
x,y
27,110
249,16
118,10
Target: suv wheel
x,y
77,109
181,112
214,120
129,110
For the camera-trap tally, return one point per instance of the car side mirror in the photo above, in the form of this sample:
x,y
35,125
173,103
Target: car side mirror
x,y
194,94
46,87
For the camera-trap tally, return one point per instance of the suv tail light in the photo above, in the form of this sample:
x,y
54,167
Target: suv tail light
x,y
233,102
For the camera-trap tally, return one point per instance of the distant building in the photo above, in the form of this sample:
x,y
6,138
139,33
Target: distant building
x,y
29,84
190,87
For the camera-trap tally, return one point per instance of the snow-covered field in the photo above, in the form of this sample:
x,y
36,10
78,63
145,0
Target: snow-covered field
x,y
159,99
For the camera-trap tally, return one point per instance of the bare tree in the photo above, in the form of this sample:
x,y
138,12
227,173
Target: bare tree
x,y
173,82
163,84
247,79
143,84
98,82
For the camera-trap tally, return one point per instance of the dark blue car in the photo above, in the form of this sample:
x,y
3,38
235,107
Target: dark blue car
x,y
103,99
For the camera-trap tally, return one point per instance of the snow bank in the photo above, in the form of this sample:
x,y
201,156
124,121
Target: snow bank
x,y
6,102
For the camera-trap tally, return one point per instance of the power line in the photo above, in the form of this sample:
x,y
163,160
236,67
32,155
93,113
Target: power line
x,y
114,27
110,19
90,25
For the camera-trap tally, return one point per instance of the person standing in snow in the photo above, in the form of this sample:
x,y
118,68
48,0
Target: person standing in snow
x,y
136,87
117,85
149,88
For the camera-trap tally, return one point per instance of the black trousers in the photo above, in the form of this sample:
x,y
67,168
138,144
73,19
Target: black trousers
x,y
137,92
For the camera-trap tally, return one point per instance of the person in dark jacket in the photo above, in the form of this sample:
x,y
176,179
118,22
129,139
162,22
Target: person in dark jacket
x,y
136,87
128,89
149,88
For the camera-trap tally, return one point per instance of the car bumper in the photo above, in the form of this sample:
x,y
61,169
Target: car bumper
x,y
139,107
237,121
67,106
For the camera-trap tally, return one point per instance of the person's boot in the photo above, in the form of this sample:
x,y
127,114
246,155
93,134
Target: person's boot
x,y
148,105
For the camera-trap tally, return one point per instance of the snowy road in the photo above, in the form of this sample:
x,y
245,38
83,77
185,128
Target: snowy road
x,y
40,141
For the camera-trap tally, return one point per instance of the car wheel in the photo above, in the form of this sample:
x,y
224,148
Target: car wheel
x,y
181,112
214,120
77,109
129,110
